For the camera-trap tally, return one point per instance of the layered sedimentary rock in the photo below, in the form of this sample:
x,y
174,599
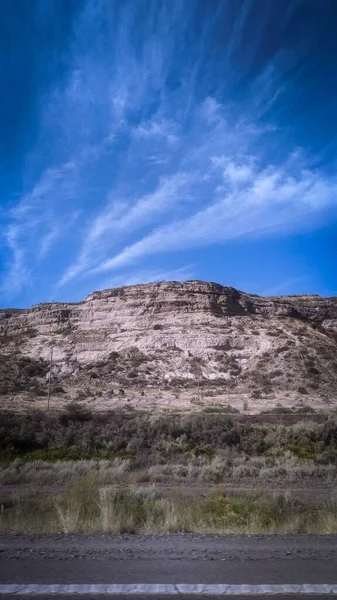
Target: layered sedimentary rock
x,y
195,340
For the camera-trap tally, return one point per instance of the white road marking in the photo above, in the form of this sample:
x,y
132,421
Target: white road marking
x,y
150,589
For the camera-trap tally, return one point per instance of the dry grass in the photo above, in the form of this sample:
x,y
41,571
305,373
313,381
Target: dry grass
x,y
224,466
111,459
91,508
61,473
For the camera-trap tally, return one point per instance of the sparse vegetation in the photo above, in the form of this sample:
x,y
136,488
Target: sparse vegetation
x,y
287,410
19,373
98,465
88,507
221,409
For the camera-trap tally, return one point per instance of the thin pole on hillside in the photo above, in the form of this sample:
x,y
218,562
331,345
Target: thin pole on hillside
x,y
50,368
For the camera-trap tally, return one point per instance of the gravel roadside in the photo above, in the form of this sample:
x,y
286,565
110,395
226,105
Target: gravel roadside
x,y
168,547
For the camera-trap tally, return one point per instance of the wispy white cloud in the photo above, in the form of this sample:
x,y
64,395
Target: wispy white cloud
x,y
47,241
216,186
284,287
17,273
149,275
34,225
122,217
269,201
158,128
141,153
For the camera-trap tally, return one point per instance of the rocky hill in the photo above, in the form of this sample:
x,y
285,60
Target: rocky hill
x,y
173,345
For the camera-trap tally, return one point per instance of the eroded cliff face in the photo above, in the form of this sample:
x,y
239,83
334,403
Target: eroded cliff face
x,y
172,344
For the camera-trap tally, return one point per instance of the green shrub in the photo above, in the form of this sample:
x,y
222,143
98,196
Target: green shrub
x,y
277,410
151,438
303,410
221,409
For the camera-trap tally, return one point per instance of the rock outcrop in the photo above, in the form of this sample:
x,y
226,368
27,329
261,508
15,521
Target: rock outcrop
x,y
172,344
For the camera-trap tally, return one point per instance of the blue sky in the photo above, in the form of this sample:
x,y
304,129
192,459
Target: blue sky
x,y
146,140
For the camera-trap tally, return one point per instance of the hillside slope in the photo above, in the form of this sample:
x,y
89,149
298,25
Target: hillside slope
x,y
172,345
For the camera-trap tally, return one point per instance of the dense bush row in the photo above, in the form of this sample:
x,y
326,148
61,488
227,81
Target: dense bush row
x,y
77,433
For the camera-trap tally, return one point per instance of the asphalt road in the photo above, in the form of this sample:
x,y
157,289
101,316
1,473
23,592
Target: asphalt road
x,y
251,561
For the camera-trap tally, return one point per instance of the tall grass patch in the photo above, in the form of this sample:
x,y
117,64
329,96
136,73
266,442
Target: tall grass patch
x,y
90,508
